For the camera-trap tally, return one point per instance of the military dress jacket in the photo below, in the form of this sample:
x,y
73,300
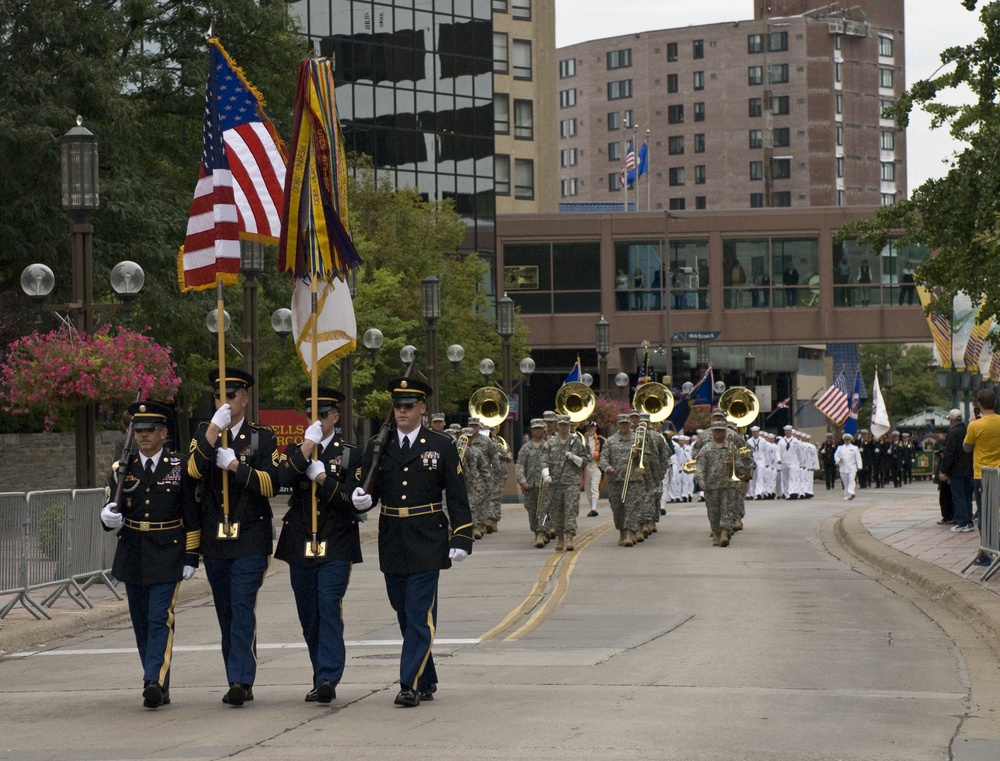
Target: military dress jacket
x,y
160,533
250,490
337,523
414,532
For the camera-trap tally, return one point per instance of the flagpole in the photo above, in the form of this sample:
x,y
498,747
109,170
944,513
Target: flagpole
x,y
648,174
625,159
314,388
220,321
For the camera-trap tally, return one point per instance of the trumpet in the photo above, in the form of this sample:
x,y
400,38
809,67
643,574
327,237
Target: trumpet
x,y
638,442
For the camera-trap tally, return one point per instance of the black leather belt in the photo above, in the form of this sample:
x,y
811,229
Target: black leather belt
x,y
152,525
409,512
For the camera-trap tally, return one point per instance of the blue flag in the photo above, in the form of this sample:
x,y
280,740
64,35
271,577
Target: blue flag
x,y
575,374
643,163
851,424
699,395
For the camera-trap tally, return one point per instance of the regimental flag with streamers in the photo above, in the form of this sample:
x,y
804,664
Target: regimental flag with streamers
x,y
940,325
995,367
851,423
977,339
880,415
316,244
240,186
835,402
576,374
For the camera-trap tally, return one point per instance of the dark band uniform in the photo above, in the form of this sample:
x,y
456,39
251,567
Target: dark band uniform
x,y
319,583
158,537
414,534
236,567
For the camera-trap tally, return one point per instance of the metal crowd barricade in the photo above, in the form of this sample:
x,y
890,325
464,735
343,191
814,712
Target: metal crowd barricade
x,y
989,529
48,538
13,564
92,549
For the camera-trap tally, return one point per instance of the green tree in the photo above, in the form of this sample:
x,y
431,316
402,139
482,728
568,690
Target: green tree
x,y
914,388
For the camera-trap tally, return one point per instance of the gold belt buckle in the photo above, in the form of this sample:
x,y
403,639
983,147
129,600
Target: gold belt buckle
x,y
144,525
234,531
403,512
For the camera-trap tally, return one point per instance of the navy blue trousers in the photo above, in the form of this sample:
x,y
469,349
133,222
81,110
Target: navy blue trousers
x,y
152,609
235,583
414,598
319,595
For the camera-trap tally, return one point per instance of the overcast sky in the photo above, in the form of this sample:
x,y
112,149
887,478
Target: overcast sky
x,y
931,26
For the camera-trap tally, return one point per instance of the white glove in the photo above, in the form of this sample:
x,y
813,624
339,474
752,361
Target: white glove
x,y
314,433
457,555
362,500
574,458
546,478
222,417
189,571
109,517
223,457
315,468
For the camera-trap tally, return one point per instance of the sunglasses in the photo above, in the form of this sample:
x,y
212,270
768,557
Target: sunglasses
x,y
323,415
230,395
403,405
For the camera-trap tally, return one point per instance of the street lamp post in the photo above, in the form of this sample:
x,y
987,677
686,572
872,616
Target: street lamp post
x,y
486,368
527,367
432,313
505,327
372,340
251,265
622,381
888,386
456,353
603,349
749,370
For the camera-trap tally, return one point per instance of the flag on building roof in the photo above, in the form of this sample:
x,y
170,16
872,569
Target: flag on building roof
x,y
240,184
643,163
629,167
576,374
835,402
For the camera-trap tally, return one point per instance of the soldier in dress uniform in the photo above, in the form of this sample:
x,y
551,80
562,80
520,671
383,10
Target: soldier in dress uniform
x,y
235,562
907,451
564,471
415,540
531,458
158,542
319,574
617,452
826,452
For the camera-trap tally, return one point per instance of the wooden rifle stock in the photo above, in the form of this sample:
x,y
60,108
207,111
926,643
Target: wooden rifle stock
x,y
123,463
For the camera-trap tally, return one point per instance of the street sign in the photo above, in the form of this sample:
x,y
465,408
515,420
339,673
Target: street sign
x,y
698,335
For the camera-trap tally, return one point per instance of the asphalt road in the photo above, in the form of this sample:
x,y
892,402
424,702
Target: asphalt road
x,y
779,647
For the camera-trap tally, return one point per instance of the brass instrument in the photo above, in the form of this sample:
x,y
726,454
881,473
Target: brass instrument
x,y
502,443
463,444
490,405
655,399
638,442
576,400
690,466
741,407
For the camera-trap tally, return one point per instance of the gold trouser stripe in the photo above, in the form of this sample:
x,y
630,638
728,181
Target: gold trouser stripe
x,y
430,645
170,636
253,642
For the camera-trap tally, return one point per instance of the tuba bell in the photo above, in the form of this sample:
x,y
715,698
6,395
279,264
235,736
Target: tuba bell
x,y
576,400
490,405
655,399
740,405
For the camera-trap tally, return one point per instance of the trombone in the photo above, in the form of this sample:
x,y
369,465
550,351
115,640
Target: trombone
x,y
657,400
638,442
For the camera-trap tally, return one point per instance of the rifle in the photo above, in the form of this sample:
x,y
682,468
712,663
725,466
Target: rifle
x,y
123,462
378,447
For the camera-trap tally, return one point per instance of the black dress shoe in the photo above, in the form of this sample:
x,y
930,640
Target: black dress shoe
x,y
311,696
325,691
152,695
427,693
592,514
407,698
238,694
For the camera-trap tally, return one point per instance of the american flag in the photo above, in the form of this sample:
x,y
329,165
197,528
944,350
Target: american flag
x,y
240,187
629,164
836,401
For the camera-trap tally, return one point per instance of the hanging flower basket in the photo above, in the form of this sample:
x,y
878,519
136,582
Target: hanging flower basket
x,y
61,370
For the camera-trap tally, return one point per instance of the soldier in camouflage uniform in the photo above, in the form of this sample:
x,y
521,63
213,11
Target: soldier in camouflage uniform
x,y
492,460
565,469
615,455
531,458
476,469
656,462
500,473
713,475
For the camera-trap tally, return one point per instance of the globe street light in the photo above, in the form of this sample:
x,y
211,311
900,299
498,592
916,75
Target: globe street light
x,y
486,368
456,353
527,367
622,381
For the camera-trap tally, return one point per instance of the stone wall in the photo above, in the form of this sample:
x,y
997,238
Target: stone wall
x,y
31,461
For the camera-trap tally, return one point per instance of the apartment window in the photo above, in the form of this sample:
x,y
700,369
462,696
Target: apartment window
x,y
699,112
567,157
756,170
885,47
501,60
840,135
501,174
675,114
840,166
755,43
777,41
698,49
614,121
567,98
699,143
676,204
756,107
620,59
782,198
671,51
521,9
756,200
755,75
524,120
524,179
614,151
620,89
888,171
501,113
888,199
567,68
781,169
781,137
627,118
567,128
840,197
676,175
675,145
885,78
614,181
672,83
699,174
569,187
778,73
888,141
836,42
756,138
701,202
838,104
884,106
699,80
521,55
499,6
836,71
781,105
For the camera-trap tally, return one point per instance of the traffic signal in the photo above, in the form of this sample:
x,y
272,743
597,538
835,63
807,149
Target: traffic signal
x,y
680,364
